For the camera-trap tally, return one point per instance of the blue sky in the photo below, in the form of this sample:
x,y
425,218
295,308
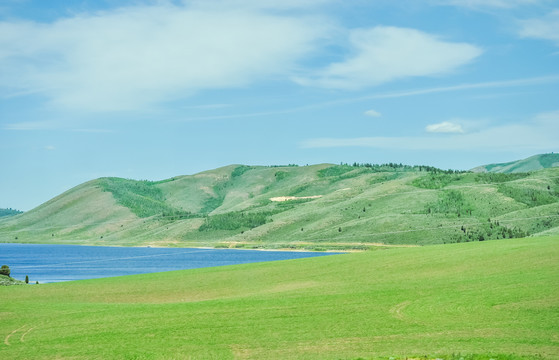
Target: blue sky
x,y
148,89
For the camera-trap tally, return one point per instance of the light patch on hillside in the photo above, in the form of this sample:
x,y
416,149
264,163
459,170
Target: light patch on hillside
x,y
288,198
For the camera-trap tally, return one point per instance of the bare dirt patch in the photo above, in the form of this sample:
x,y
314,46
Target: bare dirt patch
x,y
288,198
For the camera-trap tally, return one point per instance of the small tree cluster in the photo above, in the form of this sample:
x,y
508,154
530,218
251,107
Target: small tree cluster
x,y
5,270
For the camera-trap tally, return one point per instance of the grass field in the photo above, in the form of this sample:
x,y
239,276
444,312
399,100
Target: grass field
x,y
477,300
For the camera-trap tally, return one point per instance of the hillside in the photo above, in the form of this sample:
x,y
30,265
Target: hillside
x,y
312,207
533,163
475,301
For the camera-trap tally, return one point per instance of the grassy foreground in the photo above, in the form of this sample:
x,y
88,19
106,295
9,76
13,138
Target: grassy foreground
x,y
495,299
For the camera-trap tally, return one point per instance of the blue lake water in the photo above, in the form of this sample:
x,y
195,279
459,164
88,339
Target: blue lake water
x,y
55,263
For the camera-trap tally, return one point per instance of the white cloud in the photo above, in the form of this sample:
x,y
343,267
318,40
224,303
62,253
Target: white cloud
x,y
382,54
32,125
546,27
50,147
257,4
490,3
444,127
373,113
137,56
537,135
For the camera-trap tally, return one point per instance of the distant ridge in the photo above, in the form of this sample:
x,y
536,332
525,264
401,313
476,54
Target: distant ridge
x,y
533,163
325,206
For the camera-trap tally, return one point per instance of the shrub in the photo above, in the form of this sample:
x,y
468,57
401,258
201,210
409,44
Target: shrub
x,y
450,202
436,180
335,170
530,196
492,178
235,220
5,270
141,197
240,170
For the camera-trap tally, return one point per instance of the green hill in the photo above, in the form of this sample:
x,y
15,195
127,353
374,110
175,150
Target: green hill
x,y
312,207
533,163
476,301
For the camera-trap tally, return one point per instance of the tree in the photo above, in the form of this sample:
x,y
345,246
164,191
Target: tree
x,y
26,279
5,270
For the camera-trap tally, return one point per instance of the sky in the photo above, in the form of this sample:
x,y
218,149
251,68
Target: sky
x,y
147,89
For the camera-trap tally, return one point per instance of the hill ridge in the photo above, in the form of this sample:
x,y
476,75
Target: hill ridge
x,y
532,163
340,207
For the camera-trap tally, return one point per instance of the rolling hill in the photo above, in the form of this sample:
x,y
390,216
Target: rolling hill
x,y
340,207
533,163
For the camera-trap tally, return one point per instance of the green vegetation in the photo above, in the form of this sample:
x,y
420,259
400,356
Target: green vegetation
x,y
9,212
8,281
450,202
437,180
143,198
549,160
240,170
532,196
5,270
280,175
481,300
490,231
533,163
404,205
335,170
492,178
235,221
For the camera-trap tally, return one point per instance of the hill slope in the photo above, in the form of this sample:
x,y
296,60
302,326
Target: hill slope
x,y
533,163
312,207
488,298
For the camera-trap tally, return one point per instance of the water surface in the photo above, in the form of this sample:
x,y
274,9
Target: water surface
x,y
55,263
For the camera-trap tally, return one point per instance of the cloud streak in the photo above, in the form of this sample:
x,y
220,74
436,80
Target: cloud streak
x,y
546,27
444,127
538,135
490,3
382,54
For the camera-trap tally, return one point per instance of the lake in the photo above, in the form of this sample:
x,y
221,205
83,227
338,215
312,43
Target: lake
x,y
55,263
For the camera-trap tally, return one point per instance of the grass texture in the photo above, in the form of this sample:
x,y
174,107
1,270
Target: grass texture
x,y
472,301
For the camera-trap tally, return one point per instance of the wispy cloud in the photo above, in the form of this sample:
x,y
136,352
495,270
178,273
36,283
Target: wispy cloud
x,y
134,57
208,106
372,113
461,87
93,131
383,54
50,125
537,135
525,82
444,127
32,125
546,27
490,3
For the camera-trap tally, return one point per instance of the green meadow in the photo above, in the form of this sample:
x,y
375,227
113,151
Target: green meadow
x,y
478,300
